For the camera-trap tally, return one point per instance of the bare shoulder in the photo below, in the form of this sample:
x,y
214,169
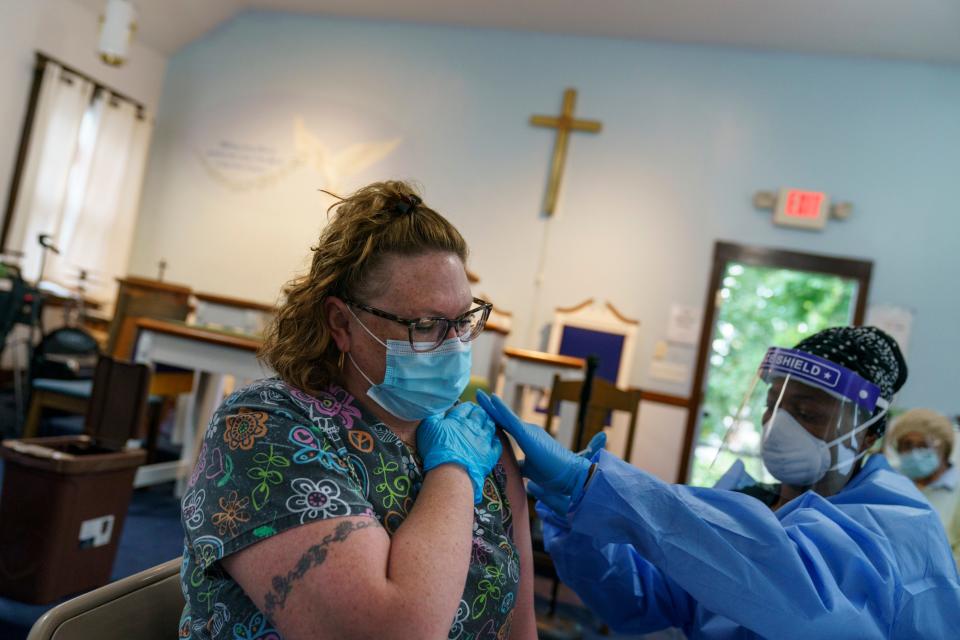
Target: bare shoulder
x,y
516,492
508,458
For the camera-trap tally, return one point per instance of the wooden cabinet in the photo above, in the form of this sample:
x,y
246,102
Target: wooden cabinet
x,y
139,298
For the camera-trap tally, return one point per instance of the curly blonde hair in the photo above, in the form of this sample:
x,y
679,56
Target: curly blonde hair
x,y
380,219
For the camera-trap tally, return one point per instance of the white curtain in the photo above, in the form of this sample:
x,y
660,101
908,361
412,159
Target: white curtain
x,y
98,222
64,99
81,185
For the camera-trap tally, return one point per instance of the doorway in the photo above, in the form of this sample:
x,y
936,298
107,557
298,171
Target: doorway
x,y
757,298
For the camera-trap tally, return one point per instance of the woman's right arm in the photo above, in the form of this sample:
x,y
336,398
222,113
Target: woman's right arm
x,y
346,578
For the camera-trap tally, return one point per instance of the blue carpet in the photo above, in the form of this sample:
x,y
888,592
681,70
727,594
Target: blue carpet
x,y
152,533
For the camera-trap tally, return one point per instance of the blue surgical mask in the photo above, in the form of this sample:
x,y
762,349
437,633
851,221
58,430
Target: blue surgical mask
x,y
417,385
919,463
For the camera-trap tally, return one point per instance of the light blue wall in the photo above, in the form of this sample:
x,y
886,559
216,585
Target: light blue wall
x,y
689,134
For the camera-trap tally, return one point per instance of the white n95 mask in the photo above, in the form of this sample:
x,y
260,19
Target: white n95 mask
x,y
796,457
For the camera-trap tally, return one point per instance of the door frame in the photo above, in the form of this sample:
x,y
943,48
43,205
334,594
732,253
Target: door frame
x,y
724,252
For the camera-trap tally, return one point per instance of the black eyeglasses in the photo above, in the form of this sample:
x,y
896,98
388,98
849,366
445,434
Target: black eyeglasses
x,y
426,334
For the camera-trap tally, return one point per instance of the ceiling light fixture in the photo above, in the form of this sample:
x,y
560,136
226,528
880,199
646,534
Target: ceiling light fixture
x,y
117,26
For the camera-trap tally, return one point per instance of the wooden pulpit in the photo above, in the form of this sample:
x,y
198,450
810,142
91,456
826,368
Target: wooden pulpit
x,y
143,298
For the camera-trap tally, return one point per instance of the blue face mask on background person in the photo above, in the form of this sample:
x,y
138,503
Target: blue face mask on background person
x,y
919,463
419,384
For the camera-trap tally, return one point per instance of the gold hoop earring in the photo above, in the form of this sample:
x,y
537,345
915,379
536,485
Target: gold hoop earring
x,y
340,360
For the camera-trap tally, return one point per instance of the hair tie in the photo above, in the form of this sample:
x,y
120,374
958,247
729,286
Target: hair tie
x,y
406,204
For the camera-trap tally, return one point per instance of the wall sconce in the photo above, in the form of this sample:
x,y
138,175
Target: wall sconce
x,y
117,26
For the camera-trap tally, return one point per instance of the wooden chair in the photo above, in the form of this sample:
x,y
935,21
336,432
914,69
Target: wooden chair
x,y
604,399
146,606
136,298
73,396
577,332
89,397
120,396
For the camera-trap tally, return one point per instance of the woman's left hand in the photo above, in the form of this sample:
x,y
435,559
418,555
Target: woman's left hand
x,y
466,435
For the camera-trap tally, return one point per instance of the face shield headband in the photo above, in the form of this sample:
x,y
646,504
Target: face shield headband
x,y
817,372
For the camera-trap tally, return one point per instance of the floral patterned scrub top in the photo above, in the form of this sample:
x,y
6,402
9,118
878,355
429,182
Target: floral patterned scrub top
x,y
274,458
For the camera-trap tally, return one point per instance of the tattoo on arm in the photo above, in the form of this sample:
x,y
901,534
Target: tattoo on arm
x,y
276,598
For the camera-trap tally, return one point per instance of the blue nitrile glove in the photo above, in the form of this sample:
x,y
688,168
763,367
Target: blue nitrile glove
x,y
465,435
559,503
553,468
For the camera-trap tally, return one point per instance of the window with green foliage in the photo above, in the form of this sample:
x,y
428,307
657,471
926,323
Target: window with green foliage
x,y
757,308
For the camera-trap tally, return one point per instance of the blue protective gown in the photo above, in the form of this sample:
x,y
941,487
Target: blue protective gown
x,y
869,562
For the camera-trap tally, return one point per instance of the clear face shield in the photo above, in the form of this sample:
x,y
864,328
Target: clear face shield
x,y
915,454
813,417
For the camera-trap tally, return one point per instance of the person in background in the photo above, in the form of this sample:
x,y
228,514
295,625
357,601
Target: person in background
x,y
919,445
839,547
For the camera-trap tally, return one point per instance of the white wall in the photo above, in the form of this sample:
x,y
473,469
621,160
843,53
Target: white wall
x,y
689,134
68,32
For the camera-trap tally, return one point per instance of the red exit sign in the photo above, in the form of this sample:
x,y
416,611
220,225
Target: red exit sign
x,y
799,208
803,204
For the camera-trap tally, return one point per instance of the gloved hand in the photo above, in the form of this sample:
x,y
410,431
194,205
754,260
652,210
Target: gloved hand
x,y
560,504
465,435
554,469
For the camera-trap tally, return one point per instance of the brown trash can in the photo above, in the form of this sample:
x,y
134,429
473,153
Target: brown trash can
x,y
65,498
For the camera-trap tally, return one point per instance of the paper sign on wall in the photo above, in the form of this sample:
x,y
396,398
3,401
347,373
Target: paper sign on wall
x,y
670,371
684,324
895,320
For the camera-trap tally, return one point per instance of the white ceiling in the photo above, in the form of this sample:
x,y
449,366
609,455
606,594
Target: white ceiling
x,y
911,29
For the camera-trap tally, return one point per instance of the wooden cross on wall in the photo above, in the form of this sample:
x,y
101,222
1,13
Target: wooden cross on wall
x,y
564,124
